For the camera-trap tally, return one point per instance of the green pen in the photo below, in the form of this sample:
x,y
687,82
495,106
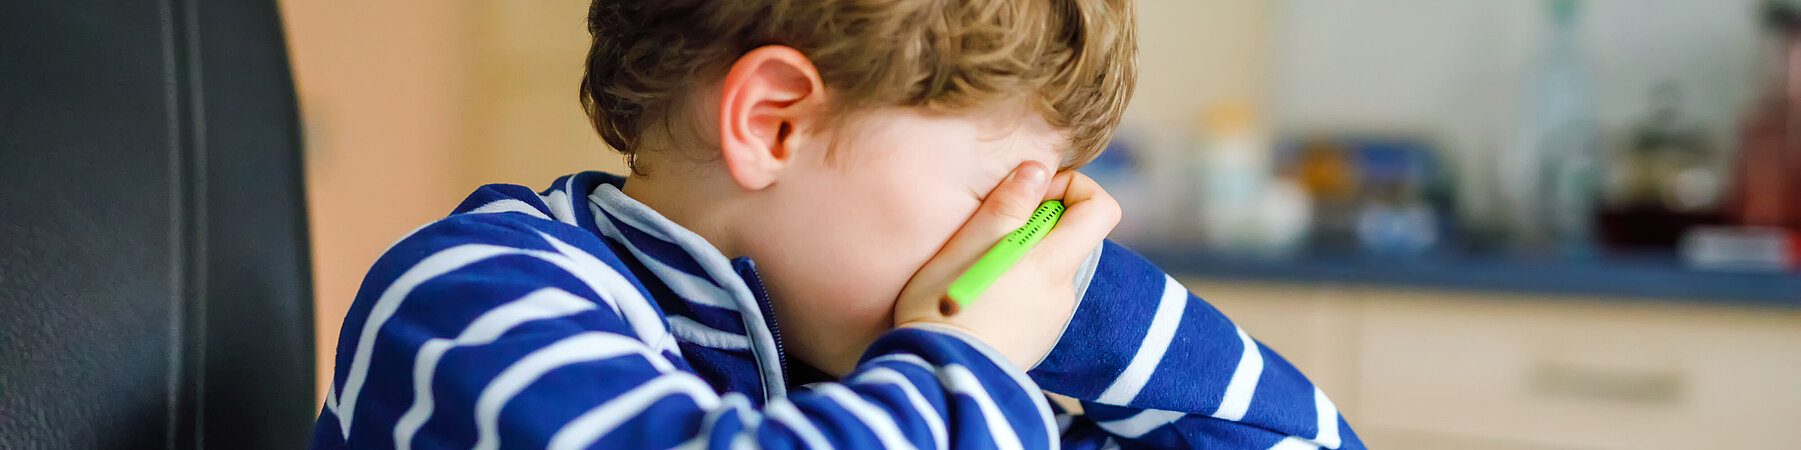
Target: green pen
x,y
1001,257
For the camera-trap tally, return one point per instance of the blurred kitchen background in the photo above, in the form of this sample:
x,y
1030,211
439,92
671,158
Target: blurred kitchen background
x,y
1477,224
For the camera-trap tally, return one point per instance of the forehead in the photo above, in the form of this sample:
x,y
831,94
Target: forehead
x,y
1006,136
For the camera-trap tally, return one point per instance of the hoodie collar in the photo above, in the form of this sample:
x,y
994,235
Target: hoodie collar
x,y
696,271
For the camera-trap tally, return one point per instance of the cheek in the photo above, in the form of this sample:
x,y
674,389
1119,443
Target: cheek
x,y
917,216
866,236
841,255
845,239
933,223
890,229
897,227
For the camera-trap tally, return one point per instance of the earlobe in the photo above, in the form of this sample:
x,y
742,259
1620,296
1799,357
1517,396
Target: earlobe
x,y
765,103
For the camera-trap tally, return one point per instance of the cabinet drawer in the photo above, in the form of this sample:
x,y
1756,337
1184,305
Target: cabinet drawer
x,y
1585,374
1310,326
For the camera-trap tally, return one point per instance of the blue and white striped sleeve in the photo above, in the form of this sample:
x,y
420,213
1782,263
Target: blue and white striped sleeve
x,y
509,330
1156,366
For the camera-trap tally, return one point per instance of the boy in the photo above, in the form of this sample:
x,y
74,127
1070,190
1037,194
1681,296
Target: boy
x,y
808,176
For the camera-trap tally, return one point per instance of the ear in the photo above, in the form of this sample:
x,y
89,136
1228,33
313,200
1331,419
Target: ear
x,y
768,93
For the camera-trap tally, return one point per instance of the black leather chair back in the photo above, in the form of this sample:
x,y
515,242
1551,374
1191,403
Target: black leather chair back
x,y
154,272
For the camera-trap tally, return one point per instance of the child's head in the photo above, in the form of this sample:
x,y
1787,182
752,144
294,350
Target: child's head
x,y
839,143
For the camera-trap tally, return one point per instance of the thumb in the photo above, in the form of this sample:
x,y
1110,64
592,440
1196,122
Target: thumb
x,y
1006,208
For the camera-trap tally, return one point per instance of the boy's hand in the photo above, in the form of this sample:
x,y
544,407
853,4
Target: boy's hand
x,y
1024,312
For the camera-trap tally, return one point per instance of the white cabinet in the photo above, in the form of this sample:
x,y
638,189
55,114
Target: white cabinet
x,y
1446,369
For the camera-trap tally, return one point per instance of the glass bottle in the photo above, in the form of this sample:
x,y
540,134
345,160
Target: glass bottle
x,y
1768,174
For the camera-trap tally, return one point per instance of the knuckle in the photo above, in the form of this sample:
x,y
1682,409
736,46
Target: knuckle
x,y
1013,208
1110,212
1105,208
1101,211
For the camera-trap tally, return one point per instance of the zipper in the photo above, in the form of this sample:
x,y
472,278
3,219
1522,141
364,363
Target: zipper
x,y
748,271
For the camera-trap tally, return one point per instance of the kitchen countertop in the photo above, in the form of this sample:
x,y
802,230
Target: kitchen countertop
x,y
1648,278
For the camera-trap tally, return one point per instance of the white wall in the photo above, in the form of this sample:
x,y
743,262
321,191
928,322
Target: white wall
x,y
1456,70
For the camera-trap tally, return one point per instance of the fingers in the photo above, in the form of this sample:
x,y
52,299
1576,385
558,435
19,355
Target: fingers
x,y
1007,207
1088,215
1017,196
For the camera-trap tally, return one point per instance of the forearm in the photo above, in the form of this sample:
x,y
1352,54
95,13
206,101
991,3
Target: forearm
x,y
1143,354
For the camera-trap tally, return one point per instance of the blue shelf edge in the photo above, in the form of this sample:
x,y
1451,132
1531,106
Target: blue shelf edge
x,y
1631,279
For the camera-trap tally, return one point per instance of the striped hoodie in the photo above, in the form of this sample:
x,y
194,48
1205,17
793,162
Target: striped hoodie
x,y
577,317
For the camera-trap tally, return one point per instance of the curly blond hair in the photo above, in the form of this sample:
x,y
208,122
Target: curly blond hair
x,y
1073,61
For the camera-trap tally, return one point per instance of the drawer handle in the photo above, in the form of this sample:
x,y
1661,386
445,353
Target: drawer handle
x,y
1611,384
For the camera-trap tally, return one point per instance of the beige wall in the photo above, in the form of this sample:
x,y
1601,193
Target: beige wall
x,y
410,104
525,124
1193,54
